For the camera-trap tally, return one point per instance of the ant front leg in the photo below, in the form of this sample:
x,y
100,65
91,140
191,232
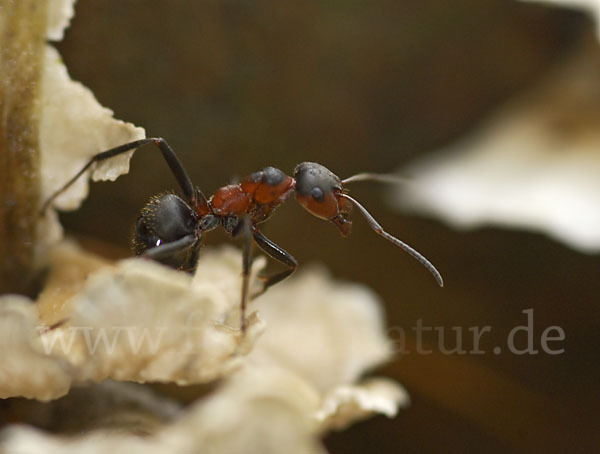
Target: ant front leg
x,y
276,253
187,187
181,253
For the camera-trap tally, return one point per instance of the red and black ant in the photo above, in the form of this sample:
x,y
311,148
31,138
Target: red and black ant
x,y
170,228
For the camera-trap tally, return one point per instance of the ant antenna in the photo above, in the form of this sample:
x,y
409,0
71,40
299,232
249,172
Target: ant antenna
x,y
378,177
402,245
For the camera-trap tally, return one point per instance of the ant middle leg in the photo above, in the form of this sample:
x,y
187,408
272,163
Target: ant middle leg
x,y
249,231
244,228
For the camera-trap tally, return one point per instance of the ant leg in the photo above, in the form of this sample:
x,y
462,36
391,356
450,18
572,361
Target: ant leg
x,y
167,249
181,254
174,164
276,253
244,227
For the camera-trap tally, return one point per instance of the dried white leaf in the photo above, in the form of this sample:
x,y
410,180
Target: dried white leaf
x,y
137,321
60,13
68,269
256,411
142,321
349,403
327,332
592,7
25,439
534,165
26,371
73,128
219,272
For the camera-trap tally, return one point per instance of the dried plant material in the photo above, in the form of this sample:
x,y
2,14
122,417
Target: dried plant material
x,y
59,15
141,321
311,311
73,128
534,165
69,268
259,410
219,273
137,321
349,403
329,334
26,371
256,411
126,407
592,7
123,406
28,440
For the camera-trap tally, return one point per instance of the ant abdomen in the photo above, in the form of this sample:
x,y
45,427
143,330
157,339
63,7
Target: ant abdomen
x,y
165,219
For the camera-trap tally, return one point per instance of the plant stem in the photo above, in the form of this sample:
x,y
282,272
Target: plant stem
x,y
22,41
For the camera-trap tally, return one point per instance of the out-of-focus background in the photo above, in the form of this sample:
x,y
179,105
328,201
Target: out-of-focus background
x,y
368,86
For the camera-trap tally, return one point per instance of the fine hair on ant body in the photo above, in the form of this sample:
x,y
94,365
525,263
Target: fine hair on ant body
x,y
170,229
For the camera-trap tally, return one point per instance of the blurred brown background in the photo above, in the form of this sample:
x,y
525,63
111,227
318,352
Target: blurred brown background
x,y
365,86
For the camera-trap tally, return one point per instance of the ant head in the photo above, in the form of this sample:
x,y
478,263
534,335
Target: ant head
x,y
319,191
322,194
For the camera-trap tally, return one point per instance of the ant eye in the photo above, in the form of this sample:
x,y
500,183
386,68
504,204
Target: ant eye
x,y
317,194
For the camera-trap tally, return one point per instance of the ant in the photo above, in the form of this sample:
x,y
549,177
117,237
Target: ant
x,y
170,229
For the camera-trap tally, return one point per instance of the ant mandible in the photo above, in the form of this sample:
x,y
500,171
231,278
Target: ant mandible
x,y
170,229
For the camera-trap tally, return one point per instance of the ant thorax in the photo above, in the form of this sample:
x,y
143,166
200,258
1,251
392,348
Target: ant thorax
x,y
256,196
